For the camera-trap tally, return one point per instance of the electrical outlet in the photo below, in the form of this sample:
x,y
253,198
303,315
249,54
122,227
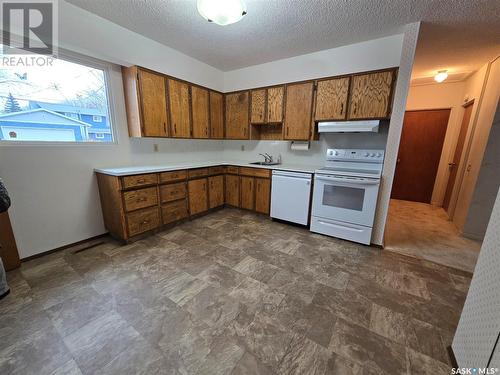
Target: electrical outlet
x,y
155,147
242,147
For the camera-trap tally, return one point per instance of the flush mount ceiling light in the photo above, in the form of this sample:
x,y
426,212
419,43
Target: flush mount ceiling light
x,y
441,76
222,12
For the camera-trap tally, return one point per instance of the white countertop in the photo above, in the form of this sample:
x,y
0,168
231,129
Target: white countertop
x,y
126,171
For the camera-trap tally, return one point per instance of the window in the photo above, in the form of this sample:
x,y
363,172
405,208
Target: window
x,y
58,103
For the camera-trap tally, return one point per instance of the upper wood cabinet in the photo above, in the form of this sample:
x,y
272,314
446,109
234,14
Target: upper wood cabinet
x,y
258,107
180,121
237,115
200,112
146,102
298,111
371,95
331,99
275,96
216,115
267,105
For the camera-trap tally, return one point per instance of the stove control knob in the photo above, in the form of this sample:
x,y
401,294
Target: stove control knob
x,y
372,155
336,153
367,154
379,154
330,152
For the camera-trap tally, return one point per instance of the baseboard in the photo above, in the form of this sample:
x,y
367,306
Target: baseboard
x,y
63,247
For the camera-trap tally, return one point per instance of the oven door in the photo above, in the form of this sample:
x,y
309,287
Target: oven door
x,y
348,199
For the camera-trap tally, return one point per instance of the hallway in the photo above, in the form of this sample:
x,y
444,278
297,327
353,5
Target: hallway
x,y
423,231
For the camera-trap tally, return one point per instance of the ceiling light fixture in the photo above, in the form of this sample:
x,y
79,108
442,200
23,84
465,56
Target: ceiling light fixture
x,y
441,76
222,12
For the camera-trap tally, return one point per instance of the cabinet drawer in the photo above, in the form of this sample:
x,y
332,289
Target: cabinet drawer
x,y
215,170
142,221
173,176
139,180
174,211
172,192
232,170
200,172
141,198
255,172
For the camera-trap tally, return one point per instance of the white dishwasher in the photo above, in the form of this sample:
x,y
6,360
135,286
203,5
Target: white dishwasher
x,y
290,196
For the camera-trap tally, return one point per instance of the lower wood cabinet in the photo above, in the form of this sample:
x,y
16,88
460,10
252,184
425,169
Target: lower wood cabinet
x,y
174,211
215,191
134,205
143,221
262,195
198,196
247,188
232,190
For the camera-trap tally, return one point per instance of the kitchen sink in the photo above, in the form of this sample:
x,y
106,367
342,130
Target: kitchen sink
x,y
265,163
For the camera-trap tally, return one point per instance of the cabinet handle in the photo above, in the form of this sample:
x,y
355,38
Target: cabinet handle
x,y
143,199
145,222
287,131
355,107
141,181
341,108
165,127
175,128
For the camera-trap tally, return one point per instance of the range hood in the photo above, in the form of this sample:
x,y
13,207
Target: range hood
x,y
348,126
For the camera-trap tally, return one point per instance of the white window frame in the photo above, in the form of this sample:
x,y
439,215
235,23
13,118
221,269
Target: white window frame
x,y
106,67
99,135
96,118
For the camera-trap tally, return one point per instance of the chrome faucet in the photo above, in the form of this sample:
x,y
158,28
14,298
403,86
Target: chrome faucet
x,y
267,158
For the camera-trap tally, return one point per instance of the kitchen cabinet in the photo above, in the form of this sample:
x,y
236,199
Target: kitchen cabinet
x,y
8,246
262,195
247,192
198,196
258,107
146,102
180,119
142,221
331,99
232,189
371,95
200,112
275,96
216,115
216,191
298,111
237,115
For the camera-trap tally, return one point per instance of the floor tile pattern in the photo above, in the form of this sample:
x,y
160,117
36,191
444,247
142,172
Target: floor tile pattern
x,y
230,293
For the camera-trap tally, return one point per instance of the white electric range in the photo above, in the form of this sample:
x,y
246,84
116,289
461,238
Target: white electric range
x,y
345,194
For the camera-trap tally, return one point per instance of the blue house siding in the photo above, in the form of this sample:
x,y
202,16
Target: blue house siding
x,y
77,130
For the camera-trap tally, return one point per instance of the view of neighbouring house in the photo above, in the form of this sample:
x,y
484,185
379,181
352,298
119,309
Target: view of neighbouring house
x,y
43,121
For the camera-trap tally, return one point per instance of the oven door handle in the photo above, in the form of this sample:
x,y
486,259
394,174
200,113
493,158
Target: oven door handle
x,y
357,181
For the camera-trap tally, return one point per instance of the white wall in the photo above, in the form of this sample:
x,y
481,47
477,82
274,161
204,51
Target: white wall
x,y
441,96
371,55
55,197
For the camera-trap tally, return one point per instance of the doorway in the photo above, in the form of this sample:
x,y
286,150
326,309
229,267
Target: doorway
x,y
419,154
458,154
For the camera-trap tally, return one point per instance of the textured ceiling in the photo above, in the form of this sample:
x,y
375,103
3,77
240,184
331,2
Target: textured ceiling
x,y
459,35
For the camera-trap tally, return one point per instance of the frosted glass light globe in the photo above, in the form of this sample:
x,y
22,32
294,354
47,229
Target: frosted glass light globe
x,y
222,12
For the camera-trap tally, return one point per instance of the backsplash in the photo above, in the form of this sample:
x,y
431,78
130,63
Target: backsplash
x,y
314,156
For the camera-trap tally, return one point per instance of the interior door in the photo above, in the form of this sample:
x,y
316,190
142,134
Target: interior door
x,y
419,154
179,109
154,104
458,154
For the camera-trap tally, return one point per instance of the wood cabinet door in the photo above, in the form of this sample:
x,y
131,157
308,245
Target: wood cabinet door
x,y
275,96
233,190
198,196
247,188
237,115
262,195
153,104
258,107
371,95
200,112
216,191
331,99
216,115
8,247
180,121
298,111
